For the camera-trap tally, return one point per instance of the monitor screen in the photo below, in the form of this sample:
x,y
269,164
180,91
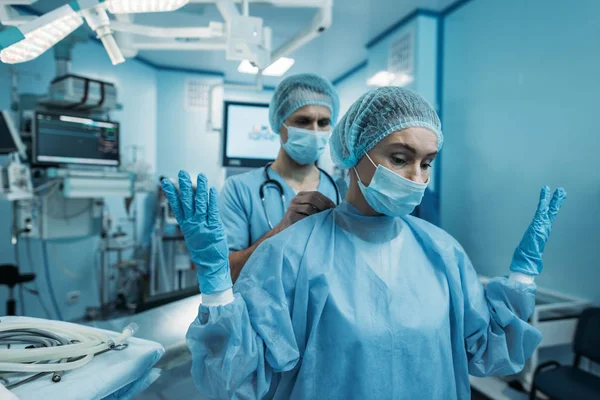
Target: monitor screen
x,y
66,139
248,139
7,139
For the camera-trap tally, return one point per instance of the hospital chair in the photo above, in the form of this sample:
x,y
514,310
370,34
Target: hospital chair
x,y
566,382
11,277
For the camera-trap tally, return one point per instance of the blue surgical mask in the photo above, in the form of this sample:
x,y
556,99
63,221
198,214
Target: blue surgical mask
x,y
305,146
391,194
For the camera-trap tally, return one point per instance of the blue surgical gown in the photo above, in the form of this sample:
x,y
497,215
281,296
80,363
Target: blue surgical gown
x,y
345,306
242,210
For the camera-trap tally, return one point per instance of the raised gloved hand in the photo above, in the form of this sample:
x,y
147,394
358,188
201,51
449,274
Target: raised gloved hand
x,y
199,220
528,255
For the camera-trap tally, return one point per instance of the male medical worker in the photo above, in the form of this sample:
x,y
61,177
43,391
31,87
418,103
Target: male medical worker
x,y
259,204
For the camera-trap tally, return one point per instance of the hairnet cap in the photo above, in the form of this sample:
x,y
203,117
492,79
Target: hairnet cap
x,y
298,91
375,115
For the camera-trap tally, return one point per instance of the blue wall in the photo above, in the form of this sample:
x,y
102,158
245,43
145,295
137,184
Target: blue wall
x,y
73,263
183,140
426,55
424,34
352,88
520,108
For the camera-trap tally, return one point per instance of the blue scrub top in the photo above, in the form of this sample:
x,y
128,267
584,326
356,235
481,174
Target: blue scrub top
x,y
242,210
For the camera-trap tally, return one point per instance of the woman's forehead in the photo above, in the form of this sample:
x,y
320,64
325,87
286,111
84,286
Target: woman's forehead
x,y
420,139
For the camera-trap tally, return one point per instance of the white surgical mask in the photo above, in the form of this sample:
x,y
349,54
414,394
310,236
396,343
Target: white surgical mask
x,y
305,146
391,194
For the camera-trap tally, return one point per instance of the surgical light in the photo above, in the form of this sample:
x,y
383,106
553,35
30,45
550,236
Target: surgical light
x,y
385,78
402,79
143,6
278,68
381,78
44,33
246,67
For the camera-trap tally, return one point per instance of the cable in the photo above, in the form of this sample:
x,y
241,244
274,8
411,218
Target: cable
x,y
48,280
22,300
82,340
78,213
45,185
59,263
42,374
51,191
35,282
54,212
54,346
21,297
97,257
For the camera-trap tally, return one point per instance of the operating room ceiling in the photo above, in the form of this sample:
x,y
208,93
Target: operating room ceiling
x,y
355,23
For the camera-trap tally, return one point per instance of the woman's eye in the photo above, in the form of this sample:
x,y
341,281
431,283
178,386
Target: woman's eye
x,y
426,166
398,161
324,123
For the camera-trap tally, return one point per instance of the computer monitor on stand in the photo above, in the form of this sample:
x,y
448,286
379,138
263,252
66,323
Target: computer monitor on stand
x,y
68,140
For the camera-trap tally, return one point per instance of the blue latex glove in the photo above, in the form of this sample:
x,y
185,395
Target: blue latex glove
x,y
202,229
528,255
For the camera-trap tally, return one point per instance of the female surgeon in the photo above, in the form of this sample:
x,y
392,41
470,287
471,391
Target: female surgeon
x,y
361,301
258,204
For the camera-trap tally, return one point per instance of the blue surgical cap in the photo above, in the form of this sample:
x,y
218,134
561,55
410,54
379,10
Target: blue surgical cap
x,y
375,115
298,91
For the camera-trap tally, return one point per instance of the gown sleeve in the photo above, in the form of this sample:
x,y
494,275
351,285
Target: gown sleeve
x,y
498,338
239,348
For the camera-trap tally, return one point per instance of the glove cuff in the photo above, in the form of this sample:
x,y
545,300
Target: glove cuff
x,y
212,281
218,298
520,277
526,264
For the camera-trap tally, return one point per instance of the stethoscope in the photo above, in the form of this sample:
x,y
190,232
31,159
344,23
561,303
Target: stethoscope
x,y
269,181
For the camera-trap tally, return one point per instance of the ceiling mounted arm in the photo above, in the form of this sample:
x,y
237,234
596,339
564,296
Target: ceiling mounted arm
x,y
11,17
211,44
215,29
244,38
320,23
228,10
98,21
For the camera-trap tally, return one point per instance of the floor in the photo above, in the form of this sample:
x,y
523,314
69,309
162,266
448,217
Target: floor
x,y
174,383
475,395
